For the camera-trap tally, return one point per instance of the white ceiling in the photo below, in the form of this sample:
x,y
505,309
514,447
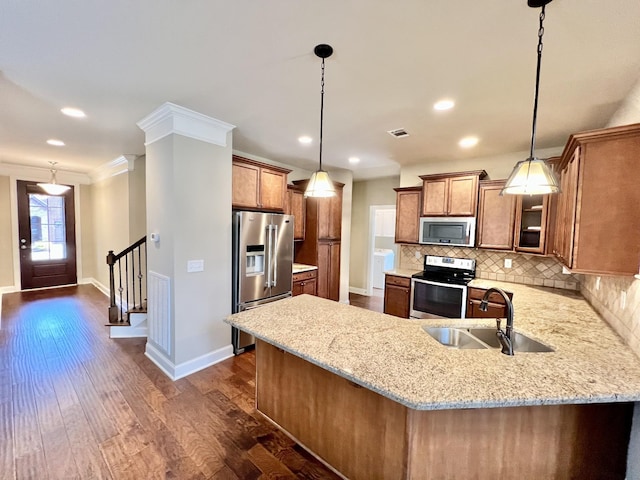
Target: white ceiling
x,y
251,63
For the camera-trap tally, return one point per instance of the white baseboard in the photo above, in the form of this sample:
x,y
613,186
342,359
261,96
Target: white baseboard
x,y
90,280
128,332
359,291
9,289
176,372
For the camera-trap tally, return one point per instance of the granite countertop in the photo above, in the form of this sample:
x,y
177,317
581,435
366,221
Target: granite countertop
x,y
402,272
396,358
301,267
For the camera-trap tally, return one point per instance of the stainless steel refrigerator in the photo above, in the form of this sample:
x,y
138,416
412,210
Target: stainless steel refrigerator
x,y
262,264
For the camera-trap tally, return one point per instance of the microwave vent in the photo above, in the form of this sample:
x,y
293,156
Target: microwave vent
x,y
398,133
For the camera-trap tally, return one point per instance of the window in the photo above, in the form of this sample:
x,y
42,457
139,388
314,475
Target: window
x,y
48,233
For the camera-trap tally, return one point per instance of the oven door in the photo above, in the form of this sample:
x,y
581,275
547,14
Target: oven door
x,y
437,300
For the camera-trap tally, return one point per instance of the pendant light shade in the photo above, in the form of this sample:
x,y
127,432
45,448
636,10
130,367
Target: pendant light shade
x,y
533,176
320,185
53,187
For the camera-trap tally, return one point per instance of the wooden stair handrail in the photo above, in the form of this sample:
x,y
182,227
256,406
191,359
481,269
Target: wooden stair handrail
x,y
116,314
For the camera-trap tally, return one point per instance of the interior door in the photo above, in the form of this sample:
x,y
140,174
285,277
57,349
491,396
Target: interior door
x,y
46,229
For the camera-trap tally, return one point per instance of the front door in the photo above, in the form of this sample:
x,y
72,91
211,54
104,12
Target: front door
x,y
46,228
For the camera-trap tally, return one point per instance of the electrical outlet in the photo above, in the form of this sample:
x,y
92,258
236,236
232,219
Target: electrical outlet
x,y
597,283
623,300
418,255
508,263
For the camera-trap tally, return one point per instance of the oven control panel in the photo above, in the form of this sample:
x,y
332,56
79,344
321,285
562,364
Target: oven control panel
x,y
450,262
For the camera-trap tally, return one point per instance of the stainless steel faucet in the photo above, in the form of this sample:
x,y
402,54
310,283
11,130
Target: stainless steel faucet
x,y
504,337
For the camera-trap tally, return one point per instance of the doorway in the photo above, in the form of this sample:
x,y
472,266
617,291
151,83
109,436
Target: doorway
x,y
46,237
382,248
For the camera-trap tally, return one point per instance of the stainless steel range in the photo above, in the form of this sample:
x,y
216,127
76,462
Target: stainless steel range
x,y
440,290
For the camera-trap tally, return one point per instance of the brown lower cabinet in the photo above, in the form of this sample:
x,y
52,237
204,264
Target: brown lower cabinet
x,y
364,435
305,282
496,307
397,295
329,270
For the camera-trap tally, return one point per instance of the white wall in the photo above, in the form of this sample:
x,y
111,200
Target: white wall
x,y
365,194
496,166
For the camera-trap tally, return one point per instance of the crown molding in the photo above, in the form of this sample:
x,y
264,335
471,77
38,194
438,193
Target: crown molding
x,y
173,119
122,164
39,174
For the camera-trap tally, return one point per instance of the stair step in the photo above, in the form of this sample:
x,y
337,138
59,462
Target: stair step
x,y
141,309
118,324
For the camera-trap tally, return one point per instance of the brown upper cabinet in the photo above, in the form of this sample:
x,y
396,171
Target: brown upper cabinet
x,y
451,194
598,219
321,246
535,220
408,214
496,216
258,186
326,213
296,206
531,223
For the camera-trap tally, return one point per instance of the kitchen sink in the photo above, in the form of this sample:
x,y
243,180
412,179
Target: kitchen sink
x,y
454,338
478,338
521,343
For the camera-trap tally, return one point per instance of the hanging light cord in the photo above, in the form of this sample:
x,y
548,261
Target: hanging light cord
x,y
535,99
321,111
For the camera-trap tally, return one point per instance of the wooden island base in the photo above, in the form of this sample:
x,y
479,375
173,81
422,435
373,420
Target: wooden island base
x,y
364,435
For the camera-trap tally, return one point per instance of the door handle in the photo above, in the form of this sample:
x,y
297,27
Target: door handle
x,y
275,255
268,282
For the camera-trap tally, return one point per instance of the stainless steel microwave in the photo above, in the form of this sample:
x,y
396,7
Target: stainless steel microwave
x,y
457,231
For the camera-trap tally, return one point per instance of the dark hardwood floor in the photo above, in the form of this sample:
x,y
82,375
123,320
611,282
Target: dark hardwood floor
x,y
76,404
374,302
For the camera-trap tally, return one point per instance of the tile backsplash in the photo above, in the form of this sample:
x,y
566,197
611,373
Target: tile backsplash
x,y
526,269
605,296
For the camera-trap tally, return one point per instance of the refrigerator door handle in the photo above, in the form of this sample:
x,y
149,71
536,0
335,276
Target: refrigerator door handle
x,y
268,282
275,256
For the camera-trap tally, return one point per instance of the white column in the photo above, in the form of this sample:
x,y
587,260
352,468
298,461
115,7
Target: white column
x,y
188,197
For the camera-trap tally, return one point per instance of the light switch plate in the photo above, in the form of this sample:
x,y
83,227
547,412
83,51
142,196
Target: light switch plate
x,y
195,266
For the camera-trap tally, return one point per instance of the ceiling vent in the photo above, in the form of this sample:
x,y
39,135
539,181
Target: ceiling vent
x,y
398,133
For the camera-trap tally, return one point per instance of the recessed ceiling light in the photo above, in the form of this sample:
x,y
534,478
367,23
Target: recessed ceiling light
x,y
444,104
73,112
354,160
468,142
55,143
305,139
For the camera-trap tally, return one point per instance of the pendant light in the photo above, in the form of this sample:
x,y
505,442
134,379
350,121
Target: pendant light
x,y
533,176
320,185
53,187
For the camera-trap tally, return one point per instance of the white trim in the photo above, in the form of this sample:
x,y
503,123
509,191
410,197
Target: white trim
x,y
8,289
170,118
359,291
90,280
117,166
127,332
176,372
39,174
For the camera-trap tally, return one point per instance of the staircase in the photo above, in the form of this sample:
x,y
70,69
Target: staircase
x,y
128,291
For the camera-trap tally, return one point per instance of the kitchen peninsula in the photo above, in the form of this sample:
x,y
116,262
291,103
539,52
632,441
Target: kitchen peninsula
x,y
374,396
